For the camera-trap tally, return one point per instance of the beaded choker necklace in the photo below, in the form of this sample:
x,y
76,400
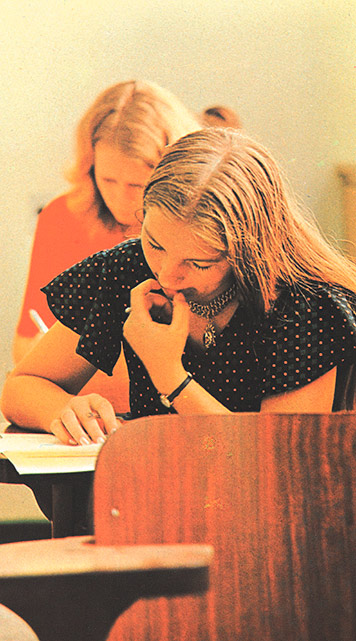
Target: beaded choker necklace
x,y
210,310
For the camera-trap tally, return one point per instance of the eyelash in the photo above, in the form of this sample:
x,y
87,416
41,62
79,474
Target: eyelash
x,y
159,249
200,267
112,181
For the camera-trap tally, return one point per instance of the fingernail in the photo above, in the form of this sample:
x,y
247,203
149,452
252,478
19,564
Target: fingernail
x,y
84,441
101,439
72,442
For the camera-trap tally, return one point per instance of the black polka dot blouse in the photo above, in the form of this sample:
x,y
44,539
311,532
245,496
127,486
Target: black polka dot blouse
x,y
302,337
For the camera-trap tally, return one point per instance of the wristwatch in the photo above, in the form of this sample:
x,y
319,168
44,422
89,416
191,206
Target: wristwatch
x,y
167,399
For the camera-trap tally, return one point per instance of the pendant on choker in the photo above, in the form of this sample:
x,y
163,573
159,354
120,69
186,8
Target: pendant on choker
x,y
210,310
209,336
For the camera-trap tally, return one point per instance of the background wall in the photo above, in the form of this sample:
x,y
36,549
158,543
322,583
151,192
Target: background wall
x,y
287,66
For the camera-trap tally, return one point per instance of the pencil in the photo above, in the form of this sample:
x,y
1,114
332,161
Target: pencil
x,y
38,321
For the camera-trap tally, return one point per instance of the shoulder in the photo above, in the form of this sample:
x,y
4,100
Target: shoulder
x,y
56,212
320,305
124,265
308,332
125,256
91,297
57,205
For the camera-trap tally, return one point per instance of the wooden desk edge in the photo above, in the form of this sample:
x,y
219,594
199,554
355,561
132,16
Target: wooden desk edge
x,y
80,555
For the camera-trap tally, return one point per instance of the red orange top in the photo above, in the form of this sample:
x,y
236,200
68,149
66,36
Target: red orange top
x,y
61,240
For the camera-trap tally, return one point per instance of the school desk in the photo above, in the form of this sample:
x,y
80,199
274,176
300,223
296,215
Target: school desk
x,y
273,495
64,498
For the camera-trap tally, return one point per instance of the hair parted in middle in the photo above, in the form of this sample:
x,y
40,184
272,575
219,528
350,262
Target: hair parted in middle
x,y
141,119
231,193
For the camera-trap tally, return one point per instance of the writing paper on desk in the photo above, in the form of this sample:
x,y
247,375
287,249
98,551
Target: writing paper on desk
x,y
45,454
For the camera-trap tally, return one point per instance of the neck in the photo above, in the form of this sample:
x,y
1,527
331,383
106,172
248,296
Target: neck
x,y
216,305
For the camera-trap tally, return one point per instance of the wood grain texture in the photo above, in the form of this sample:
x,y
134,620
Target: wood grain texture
x,y
71,589
274,495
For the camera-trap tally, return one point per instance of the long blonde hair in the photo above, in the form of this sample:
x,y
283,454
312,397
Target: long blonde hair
x,y
141,119
230,191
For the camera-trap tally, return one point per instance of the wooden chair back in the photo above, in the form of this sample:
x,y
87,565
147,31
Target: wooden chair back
x,y
273,494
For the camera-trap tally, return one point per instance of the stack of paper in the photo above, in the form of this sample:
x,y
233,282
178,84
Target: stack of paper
x,y
45,454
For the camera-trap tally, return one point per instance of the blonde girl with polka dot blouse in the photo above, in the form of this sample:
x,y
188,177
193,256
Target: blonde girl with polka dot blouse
x,y
231,301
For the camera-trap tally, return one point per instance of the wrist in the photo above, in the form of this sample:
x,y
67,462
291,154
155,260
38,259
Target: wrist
x,y
167,381
168,399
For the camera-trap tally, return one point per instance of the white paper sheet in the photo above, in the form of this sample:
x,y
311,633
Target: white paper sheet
x,y
45,454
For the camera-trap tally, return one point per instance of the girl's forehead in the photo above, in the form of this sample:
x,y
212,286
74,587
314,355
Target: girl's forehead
x,y
175,234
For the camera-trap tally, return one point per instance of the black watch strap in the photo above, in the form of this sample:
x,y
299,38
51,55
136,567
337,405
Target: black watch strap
x,y
167,400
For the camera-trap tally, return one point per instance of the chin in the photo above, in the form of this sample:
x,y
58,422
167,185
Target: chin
x,y
132,230
124,223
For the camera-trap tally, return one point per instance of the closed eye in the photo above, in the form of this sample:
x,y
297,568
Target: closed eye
x,y
136,186
202,267
195,265
156,247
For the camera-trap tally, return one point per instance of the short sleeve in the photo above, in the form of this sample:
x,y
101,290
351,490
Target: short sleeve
x,y
91,297
308,334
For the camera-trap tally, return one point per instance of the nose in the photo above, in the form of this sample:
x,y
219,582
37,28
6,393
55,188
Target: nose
x,y
170,275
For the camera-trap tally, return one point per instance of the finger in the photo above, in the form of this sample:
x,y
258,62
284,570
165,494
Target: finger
x,y
154,298
138,295
180,317
57,428
93,430
72,424
105,412
96,416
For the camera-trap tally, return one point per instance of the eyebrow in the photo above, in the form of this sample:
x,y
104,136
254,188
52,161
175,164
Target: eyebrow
x,y
193,260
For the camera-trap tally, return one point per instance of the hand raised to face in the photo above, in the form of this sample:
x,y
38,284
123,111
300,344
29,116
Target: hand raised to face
x,y
157,328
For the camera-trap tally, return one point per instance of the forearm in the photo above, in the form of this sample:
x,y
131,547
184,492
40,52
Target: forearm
x,y
32,401
315,398
194,399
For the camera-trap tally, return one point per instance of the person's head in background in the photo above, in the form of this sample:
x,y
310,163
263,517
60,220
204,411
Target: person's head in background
x,y
220,116
120,140
231,197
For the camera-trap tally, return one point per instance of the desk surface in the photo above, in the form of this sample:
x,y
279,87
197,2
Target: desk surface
x,y
64,498
35,452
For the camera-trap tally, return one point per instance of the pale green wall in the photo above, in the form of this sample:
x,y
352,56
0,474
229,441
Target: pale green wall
x,y
287,66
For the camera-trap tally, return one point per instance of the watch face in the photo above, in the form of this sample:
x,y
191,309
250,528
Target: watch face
x,y
164,400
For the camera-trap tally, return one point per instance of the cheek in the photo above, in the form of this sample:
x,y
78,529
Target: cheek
x,y
104,191
127,200
133,203
154,262
212,279
149,254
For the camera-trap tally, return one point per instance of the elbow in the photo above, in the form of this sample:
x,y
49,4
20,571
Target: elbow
x,y
22,345
7,399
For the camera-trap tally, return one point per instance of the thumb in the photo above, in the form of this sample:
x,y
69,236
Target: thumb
x,y
180,317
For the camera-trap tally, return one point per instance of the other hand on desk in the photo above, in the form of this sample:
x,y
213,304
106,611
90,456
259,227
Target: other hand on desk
x,y
85,419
